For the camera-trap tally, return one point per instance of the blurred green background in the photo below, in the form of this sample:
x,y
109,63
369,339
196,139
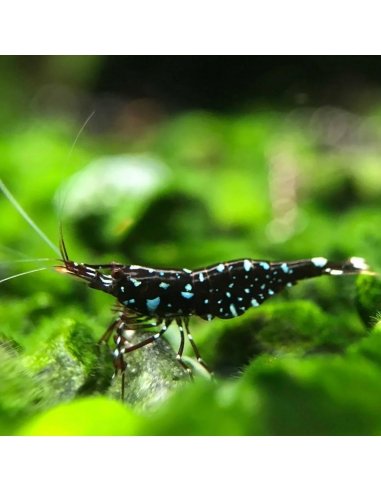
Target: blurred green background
x,y
187,161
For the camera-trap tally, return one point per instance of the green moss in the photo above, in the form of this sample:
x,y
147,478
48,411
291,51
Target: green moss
x,y
369,347
321,395
20,391
298,327
59,368
369,298
207,408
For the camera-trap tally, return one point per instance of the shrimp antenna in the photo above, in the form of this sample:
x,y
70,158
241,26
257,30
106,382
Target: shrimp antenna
x,y
61,200
23,273
79,134
26,217
63,250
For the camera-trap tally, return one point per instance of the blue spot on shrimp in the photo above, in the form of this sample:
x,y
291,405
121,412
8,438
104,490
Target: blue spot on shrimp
x,y
158,297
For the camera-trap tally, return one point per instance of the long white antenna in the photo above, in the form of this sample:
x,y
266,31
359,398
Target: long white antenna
x,y
22,273
79,134
26,217
61,197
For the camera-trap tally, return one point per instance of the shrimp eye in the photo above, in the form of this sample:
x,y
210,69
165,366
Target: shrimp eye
x,y
117,273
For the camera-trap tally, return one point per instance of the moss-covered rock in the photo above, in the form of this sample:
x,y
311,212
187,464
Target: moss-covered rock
x,y
320,395
297,327
71,363
20,392
63,363
207,408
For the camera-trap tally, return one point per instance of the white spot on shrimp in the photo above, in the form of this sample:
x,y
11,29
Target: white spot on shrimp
x,y
106,279
220,267
153,303
188,287
271,292
254,303
247,265
319,261
128,301
247,291
187,295
122,289
209,317
240,298
233,310
206,301
201,277
231,285
334,272
163,285
228,294
358,263
264,265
